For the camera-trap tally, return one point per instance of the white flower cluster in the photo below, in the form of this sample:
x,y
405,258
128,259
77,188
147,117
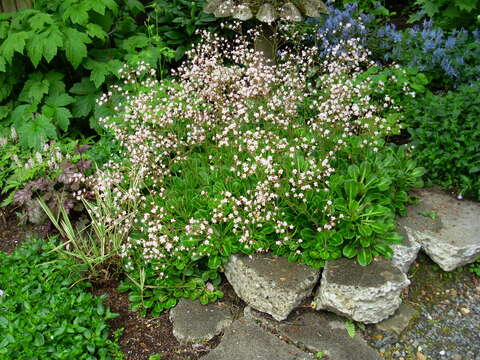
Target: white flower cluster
x,y
229,100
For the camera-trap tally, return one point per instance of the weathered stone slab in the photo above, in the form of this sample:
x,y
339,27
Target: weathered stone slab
x,y
447,229
270,284
367,294
194,322
399,321
319,332
245,340
406,253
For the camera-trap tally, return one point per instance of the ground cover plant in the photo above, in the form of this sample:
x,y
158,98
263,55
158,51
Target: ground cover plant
x,y
45,311
238,155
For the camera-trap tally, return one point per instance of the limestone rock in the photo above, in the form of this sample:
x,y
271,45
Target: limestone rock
x,y
245,340
399,321
269,284
267,13
194,322
319,331
447,229
367,294
406,253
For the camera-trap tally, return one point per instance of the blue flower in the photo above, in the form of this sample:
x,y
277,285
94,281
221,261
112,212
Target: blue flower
x,y
450,43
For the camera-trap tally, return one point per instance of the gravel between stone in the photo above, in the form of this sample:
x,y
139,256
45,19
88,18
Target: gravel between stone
x,y
448,321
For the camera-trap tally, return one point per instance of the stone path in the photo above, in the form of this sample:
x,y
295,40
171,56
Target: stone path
x,y
274,327
246,340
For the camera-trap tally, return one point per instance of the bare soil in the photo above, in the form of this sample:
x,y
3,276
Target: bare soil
x,y
12,234
146,336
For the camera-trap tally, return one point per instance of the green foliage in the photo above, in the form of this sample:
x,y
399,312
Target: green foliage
x,y
350,327
369,189
45,313
449,14
366,6
155,357
177,21
397,81
446,134
475,268
38,173
89,40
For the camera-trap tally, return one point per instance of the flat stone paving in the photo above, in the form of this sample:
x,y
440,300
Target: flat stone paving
x,y
245,340
319,332
194,322
400,320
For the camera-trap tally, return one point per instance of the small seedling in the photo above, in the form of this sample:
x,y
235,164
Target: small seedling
x,y
350,327
155,357
319,355
432,214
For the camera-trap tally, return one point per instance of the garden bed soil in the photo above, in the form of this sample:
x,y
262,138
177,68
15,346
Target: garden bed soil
x,y
12,234
143,337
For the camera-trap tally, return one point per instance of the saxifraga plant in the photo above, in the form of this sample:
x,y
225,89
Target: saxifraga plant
x,y
228,162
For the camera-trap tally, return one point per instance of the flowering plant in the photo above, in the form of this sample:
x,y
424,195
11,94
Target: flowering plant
x,y
451,58
57,168
238,155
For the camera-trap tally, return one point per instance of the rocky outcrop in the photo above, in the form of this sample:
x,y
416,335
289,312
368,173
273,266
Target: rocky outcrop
x,y
406,253
447,229
270,284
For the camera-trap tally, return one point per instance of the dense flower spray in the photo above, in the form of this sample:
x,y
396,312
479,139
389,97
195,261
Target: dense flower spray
x,y
224,155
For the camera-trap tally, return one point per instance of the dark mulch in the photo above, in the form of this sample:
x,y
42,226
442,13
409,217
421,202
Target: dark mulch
x,y
12,234
146,336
